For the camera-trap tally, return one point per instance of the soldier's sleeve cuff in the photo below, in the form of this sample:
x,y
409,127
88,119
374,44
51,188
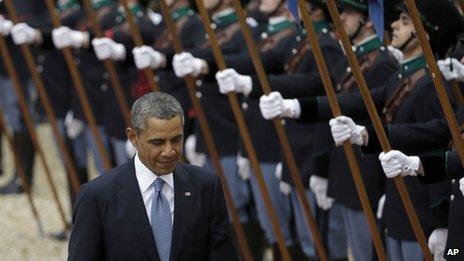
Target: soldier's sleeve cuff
x,y
434,166
454,168
373,146
321,163
309,109
47,40
256,90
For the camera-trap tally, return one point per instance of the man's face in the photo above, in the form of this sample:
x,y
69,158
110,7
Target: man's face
x,y
268,6
351,20
160,145
402,30
170,2
210,4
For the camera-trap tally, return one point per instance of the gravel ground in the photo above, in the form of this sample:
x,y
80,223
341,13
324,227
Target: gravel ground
x,y
19,234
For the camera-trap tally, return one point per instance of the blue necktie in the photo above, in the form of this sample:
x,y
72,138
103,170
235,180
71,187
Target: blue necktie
x,y
161,223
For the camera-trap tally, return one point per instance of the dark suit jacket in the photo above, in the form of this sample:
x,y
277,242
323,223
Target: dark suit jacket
x,y
111,223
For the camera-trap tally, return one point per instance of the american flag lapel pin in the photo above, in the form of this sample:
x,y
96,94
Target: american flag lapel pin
x,y
187,194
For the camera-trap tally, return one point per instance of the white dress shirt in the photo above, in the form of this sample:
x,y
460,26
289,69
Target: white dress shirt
x,y
145,178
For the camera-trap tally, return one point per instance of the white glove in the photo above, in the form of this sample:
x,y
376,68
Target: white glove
x,y
185,64
451,69
230,81
319,187
5,26
130,149
195,158
395,162
284,187
74,127
243,165
273,105
145,57
396,53
437,243
106,48
24,34
343,128
64,37
380,206
461,185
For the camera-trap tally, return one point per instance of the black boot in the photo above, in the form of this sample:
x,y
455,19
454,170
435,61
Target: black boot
x,y
1,158
276,254
26,152
255,238
12,187
296,253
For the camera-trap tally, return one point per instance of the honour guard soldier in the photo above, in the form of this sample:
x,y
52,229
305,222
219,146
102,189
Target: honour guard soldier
x,y
33,13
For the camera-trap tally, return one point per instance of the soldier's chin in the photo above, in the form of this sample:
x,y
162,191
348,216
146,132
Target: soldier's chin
x,y
394,43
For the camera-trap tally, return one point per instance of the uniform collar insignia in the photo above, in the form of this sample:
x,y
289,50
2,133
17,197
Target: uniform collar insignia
x,y
224,19
321,26
72,4
368,45
136,10
182,12
279,26
412,65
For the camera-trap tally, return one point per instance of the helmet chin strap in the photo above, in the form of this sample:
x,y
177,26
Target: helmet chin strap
x,y
405,44
358,30
216,7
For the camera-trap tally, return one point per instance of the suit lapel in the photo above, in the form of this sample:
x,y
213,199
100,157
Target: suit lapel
x,y
131,200
184,193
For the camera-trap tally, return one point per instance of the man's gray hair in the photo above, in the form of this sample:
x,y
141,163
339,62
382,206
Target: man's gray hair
x,y
157,105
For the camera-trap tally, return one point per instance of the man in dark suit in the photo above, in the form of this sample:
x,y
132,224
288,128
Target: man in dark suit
x,y
152,207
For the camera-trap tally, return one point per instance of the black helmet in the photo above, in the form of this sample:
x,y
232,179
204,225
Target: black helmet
x,y
441,20
359,5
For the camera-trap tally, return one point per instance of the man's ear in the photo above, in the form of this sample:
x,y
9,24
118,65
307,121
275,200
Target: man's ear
x,y
132,136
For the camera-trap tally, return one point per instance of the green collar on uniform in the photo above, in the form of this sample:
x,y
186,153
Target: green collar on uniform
x,y
97,4
66,5
280,26
321,26
225,20
182,12
136,10
413,65
368,46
